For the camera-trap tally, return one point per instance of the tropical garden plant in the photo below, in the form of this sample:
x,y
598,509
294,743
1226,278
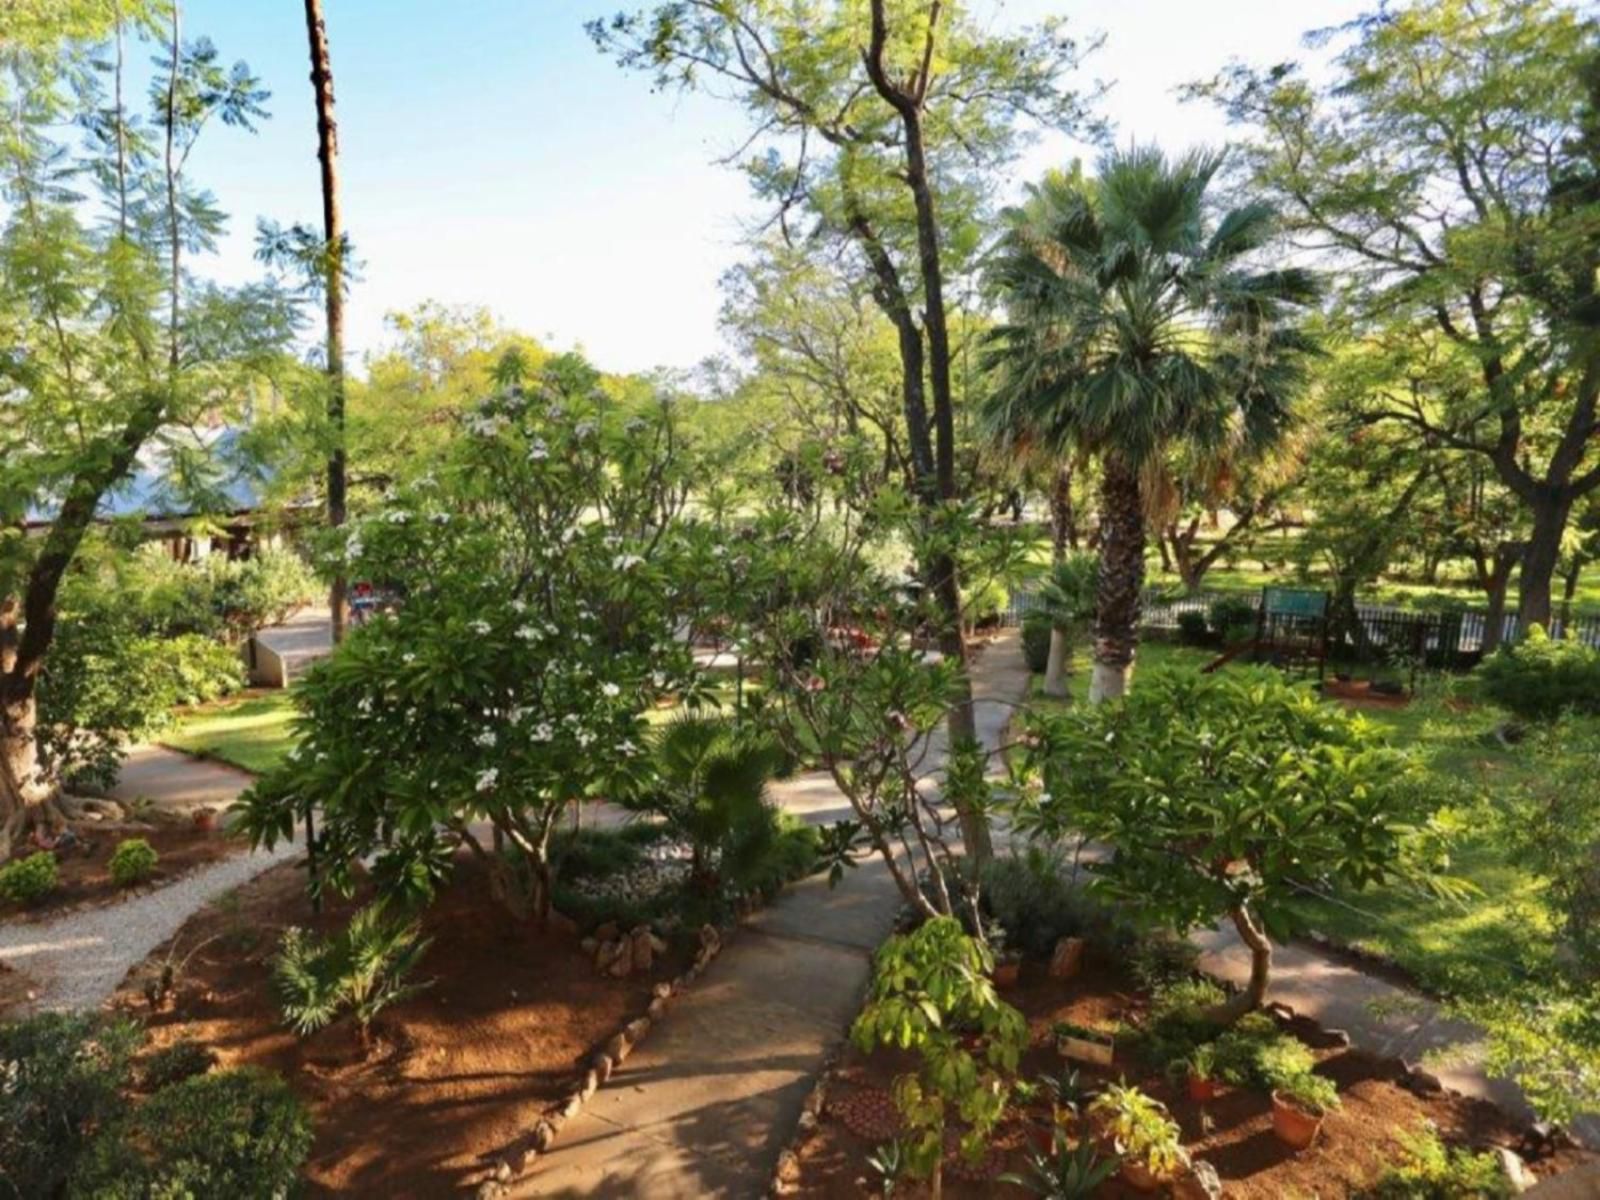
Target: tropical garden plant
x,y
1136,324
1068,600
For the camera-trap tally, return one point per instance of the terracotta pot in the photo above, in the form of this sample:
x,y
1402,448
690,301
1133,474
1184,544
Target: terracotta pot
x,y
1042,1137
1067,958
1295,1127
1007,972
1202,1090
205,819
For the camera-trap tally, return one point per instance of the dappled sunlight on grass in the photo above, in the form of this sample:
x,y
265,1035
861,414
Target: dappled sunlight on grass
x,y
253,732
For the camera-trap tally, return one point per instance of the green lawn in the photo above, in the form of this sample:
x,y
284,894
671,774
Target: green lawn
x,y
1487,942
251,731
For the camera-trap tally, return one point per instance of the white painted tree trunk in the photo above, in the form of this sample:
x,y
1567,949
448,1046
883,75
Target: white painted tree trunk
x,y
1056,666
1109,681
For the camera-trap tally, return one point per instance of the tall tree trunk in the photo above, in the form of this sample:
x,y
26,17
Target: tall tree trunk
x,y
1121,582
1539,558
1494,577
1569,590
1058,666
28,797
1162,549
333,237
1063,522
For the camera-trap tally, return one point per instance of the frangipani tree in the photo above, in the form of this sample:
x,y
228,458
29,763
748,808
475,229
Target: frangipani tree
x,y
1136,323
538,572
1231,796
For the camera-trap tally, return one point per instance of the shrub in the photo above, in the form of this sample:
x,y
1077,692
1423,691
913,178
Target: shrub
x,y
1193,630
1032,897
1429,1170
1141,1127
1232,617
984,604
1160,959
132,862
63,1075
1256,1053
28,880
175,1063
1314,1093
361,969
233,1133
1539,678
1036,640
194,669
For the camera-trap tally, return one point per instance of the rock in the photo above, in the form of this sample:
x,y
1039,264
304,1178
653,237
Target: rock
x,y
1421,1081
601,1065
608,953
1067,958
661,991
788,1167
544,1136
657,1008
572,1107
1199,1182
658,944
517,1160
814,1100
621,966
591,1084
618,1048
1514,1169
502,1170
607,932
709,937
635,1029
806,1123
1337,1038
643,953
490,1190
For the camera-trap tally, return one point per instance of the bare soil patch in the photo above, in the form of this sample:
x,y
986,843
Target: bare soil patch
x,y
1359,693
459,1070
85,880
1233,1132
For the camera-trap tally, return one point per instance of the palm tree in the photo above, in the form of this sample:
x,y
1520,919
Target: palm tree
x,y
1134,324
1068,600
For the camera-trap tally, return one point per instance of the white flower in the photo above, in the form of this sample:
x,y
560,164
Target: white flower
x,y
481,628
397,516
636,425
352,544
1045,797
528,633
487,779
486,739
585,738
519,606
1111,737
628,748
538,451
610,689
543,731
626,562
439,518
364,704
408,657
584,428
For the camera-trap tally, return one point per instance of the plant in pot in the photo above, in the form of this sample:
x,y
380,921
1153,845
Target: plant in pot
x,y
1199,1071
1084,1044
1064,1172
1065,1094
1143,1135
1007,959
1299,1105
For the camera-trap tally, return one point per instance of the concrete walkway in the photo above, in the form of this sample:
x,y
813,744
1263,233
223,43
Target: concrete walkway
x,y
704,1106
176,782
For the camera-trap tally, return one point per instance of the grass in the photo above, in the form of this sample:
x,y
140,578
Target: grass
x,y
1492,940
253,731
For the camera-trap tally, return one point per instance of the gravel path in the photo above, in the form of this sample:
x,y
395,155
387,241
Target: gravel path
x,y
77,960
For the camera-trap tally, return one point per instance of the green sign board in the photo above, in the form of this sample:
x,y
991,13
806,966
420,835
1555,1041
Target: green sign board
x,y
1294,602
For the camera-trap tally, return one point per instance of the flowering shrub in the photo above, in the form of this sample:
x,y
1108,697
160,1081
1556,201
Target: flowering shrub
x,y
539,572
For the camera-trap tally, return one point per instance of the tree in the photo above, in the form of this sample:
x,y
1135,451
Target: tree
x,y
884,126
115,345
334,249
1227,796
1451,166
545,567
1068,598
1135,326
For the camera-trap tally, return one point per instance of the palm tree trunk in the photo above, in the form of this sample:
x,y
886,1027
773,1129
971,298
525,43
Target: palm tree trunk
x,y
1121,582
1058,667
333,236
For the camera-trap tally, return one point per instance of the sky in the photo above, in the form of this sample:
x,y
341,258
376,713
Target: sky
x,y
489,155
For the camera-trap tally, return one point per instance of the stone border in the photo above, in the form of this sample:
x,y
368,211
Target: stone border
x,y
515,1162
786,1172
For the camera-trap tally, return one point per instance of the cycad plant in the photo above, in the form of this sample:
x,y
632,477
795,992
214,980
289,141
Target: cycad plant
x,y
711,788
1134,325
1068,599
360,970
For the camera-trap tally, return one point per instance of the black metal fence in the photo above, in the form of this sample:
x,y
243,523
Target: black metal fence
x,y
1446,632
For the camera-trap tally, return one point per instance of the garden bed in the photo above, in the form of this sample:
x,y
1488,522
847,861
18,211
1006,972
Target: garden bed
x,y
1233,1132
83,874
460,1070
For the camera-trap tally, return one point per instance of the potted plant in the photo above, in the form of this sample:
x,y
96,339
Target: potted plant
x,y
1144,1136
1198,1069
1007,962
1299,1104
1064,1093
1084,1044
205,819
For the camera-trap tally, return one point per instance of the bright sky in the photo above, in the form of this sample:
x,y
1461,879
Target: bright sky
x,y
491,156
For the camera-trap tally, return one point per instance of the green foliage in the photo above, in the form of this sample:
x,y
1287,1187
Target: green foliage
x,y
1159,959
984,604
216,598
362,969
1547,1039
64,1074
132,862
172,1064
1068,1172
1540,678
1228,793
931,994
1231,617
1179,1020
1316,1094
1036,640
1140,1127
235,1133
1193,629
28,880
1255,1053
1032,896
194,669
1430,1170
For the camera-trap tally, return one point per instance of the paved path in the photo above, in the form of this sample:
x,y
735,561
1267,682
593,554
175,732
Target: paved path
x,y
705,1105
178,782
